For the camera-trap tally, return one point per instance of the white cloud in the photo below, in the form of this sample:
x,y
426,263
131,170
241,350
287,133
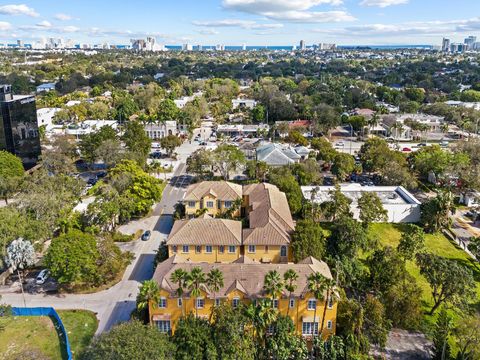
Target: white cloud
x,y
17,10
5,26
383,3
44,24
262,6
290,10
68,29
62,17
208,32
245,24
426,29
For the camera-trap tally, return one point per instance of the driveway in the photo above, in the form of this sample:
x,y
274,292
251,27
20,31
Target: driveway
x,y
116,304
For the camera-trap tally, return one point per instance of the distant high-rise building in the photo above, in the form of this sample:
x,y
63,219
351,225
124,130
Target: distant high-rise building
x,y
220,47
244,47
20,43
302,45
325,46
446,45
469,42
18,126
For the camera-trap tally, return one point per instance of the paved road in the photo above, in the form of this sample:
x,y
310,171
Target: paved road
x,y
116,304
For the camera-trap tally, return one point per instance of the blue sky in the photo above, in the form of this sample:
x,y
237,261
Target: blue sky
x,y
234,22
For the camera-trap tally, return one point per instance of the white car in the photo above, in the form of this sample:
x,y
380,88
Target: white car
x,y
42,277
340,144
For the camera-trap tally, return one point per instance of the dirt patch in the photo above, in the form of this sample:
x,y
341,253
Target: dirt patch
x,y
405,345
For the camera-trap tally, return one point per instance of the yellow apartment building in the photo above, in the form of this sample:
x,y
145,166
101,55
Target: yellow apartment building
x,y
214,196
266,239
243,284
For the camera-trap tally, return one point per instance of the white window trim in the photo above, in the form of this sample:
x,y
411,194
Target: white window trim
x,y
254,249
185,247
217,302
196,302
234,251
329,324
179,302
208,202
330,302
308,304
275,303
235,299
162,299
206,249
291,303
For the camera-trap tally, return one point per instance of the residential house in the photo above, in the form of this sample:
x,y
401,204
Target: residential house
x,y
243,103
270,224
213,196
275,154
243,285
206,239
160,130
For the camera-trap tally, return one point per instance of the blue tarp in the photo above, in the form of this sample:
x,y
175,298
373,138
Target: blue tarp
x,y
46,311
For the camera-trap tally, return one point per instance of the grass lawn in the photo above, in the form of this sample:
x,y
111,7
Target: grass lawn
x,y
81,326
35,337
389,235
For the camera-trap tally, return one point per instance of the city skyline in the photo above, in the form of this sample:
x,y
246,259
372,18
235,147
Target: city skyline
x,y
237,22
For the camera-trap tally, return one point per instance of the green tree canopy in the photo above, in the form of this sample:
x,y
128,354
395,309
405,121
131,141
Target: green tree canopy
x,y
130,340
11,174
72,258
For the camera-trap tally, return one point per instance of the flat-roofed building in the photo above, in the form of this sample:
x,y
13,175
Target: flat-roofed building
x,y
400,204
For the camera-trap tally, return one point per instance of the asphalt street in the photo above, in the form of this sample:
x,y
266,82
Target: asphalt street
x,y
117,303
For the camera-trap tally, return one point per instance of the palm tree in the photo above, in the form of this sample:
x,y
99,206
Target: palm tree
x,y
273,284
215,282
330,285
195,280
290,277
179,276
372,122
149,292
317,286
261,315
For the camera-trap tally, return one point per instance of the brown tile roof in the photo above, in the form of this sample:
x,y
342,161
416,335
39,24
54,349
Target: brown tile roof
x,y
206,230
270,220
247,277
222,190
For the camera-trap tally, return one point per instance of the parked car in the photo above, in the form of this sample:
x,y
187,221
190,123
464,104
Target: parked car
x,y
101,174
340,144
42,277
444,143
146,235
92,181
421,145
406,149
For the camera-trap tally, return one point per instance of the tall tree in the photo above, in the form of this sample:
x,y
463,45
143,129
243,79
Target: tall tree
x,y
371,208
441,336
180,276
193,339
290,278
130,340
149,293
450,281
411,242
72,258
317,285
308,240
273,284
195,280
11,174
20,256
215,282
227,158
137,141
